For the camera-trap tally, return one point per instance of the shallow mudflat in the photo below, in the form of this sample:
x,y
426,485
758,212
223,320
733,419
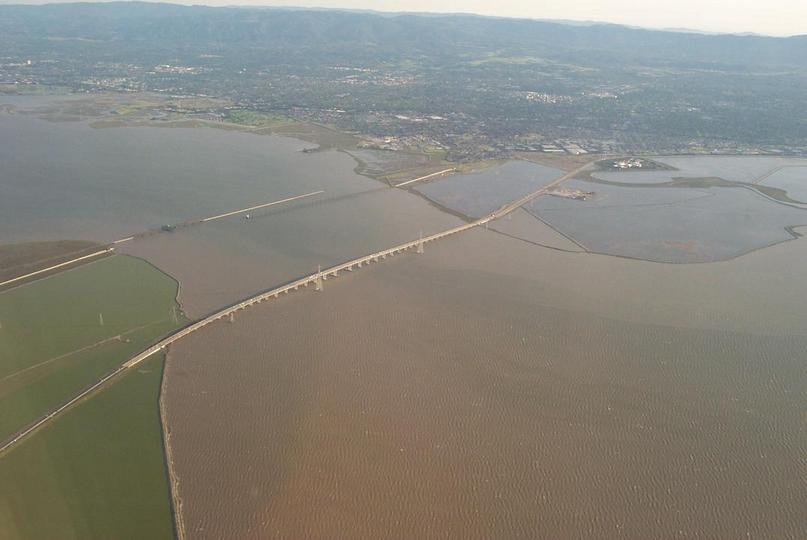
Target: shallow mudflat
x,y
491,388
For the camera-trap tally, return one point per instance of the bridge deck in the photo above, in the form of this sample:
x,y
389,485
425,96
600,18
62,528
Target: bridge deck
x,y
273,293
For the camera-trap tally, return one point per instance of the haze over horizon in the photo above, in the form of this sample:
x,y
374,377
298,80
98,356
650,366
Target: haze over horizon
x,y
775,18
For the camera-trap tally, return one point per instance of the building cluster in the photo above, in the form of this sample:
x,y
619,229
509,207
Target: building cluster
x,y
167,68
543,97
632,163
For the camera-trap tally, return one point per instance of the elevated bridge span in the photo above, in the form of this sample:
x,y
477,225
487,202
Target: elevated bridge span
x,y
315,279
228,313
312,279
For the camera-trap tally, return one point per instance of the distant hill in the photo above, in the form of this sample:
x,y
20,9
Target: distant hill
x,y
322,34
477,86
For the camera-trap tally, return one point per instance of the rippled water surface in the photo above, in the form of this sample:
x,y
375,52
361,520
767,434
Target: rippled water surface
x,y
504,384
494,389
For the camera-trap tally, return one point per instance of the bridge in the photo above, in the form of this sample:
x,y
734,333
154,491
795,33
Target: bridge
x,y
316,279
106,251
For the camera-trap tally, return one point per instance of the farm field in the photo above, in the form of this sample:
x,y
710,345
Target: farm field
x,y
96,472
60,334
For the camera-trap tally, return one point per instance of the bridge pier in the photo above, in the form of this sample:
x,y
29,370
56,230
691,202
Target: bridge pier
x,y
318,282
232,317
420,244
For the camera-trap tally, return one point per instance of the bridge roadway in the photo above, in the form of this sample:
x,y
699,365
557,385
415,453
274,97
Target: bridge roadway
x,y
305,281
57,266
231,311
421,178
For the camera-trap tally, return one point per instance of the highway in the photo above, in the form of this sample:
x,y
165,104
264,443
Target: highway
x,y
54,413
312,279
57,266
506,209
315,279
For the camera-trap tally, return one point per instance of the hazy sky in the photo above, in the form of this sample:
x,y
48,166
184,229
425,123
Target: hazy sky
x,y
774,17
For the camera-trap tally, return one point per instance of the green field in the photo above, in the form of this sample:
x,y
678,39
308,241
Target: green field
x,y
97,472
52,339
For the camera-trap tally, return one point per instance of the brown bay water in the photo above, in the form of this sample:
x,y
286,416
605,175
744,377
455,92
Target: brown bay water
x,y
68,180
220,263
494,389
